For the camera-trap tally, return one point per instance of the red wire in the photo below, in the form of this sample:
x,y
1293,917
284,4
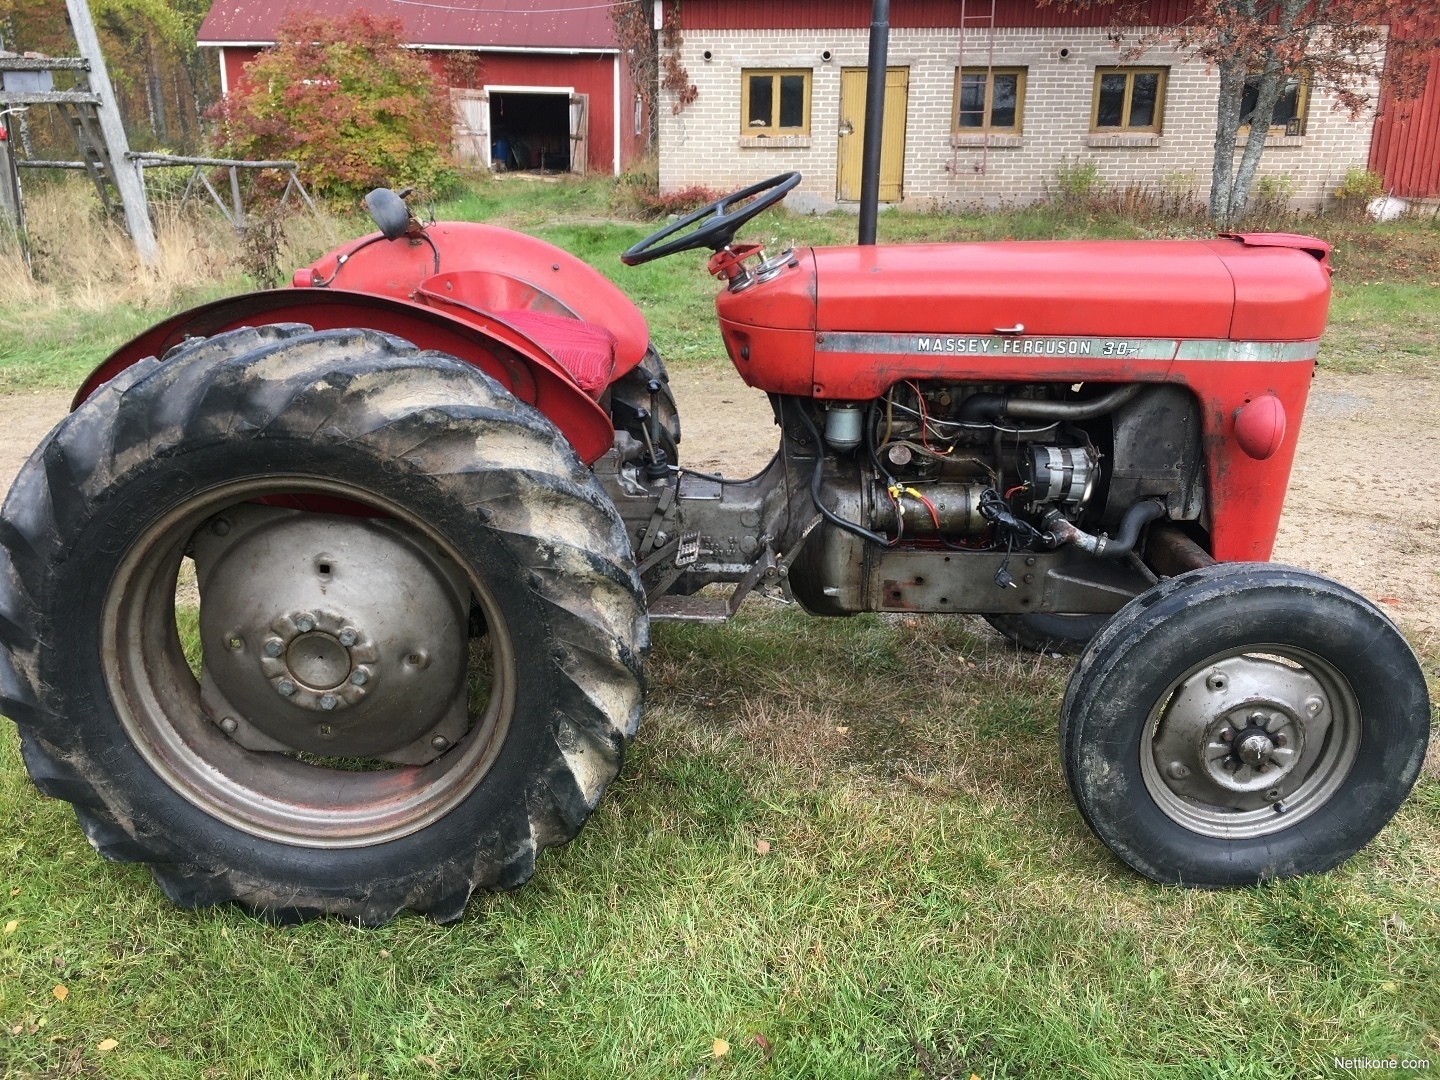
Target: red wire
x,y
1017,487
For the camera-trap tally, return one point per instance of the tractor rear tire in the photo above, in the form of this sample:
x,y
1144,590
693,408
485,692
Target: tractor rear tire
x,y
1243,722
1048,632
457,474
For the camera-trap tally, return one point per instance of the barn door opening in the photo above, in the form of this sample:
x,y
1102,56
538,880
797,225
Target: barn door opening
x,y
470,130
579,132
852,134
531,129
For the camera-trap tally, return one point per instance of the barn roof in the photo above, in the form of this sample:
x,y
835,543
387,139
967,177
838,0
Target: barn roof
x,y
554,25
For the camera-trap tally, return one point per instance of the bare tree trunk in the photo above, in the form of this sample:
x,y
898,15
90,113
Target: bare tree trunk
x,y
155,91
1271,83
1227,125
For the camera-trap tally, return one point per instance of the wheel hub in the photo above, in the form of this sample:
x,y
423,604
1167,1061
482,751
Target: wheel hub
x,y
319,660
1242,738
342,636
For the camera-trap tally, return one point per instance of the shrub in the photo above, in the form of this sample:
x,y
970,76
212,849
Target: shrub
x,y
638,195
1360,185
347,101
1077,181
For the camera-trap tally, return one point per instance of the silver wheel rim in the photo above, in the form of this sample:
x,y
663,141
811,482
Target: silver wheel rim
x,y
157,699
1251,741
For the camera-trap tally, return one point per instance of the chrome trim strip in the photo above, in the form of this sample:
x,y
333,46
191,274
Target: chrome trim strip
x,y
1100,348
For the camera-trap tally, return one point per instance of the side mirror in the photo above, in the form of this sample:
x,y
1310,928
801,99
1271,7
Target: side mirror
x,y
389,212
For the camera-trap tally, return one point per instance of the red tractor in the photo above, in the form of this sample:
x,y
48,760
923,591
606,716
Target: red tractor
x,y
335,598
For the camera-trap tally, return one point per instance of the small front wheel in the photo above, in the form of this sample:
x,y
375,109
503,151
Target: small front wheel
x,y
1243,722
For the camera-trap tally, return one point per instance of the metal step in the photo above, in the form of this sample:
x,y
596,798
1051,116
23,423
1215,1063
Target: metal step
x,y
690,609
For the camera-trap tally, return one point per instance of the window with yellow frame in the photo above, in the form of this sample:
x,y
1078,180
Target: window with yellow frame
x,y
1291,107
993,94
775,102
1129,99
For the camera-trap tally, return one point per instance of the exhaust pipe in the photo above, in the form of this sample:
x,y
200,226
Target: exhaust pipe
x,y
874,119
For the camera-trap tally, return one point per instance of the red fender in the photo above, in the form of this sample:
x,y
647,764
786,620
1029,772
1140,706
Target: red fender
x,y
505,355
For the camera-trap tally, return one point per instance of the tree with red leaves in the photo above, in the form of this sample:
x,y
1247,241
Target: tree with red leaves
x,y
1338,45
346,100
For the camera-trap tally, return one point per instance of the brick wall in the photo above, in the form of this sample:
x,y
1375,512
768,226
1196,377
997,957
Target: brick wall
x,y
702,145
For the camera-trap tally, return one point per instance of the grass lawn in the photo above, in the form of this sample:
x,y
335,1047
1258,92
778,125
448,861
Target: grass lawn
x,y
838,849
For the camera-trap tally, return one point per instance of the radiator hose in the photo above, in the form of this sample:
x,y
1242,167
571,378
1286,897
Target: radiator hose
x,y
986,408
1106,547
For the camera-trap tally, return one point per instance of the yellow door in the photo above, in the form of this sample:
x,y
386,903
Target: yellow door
x,y
852,134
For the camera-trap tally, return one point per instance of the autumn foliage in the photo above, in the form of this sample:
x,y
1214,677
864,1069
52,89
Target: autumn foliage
x,y
347,101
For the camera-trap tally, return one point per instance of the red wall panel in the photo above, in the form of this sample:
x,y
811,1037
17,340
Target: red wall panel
x,y
1405,148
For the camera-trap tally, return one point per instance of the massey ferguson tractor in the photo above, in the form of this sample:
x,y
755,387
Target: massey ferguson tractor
x,y
336,598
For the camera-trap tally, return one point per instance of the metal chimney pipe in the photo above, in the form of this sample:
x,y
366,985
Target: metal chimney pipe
x,y
874,118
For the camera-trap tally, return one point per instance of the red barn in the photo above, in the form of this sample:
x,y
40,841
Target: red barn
x,y
534,83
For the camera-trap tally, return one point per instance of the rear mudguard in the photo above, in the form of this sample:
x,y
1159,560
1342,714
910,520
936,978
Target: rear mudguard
x,y
511,359
399,267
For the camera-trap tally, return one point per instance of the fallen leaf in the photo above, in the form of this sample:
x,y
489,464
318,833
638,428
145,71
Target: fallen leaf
x,y
974,1077
384,952
1389,600
426,1059
720,1048
764,1044
1388,987
17,1029
106,1045
61,991
12,926
224,931
762,847
15,891
842,729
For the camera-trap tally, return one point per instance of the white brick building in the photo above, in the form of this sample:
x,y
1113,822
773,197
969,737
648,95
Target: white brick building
x,y
1056,121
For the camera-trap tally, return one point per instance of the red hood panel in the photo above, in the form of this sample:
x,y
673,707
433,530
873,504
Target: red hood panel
x,y
1133,288
1256,287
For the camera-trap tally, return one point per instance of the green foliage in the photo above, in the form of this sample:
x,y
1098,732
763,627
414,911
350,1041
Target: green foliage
x,y
346,100
1360,185
1078,179
1275,188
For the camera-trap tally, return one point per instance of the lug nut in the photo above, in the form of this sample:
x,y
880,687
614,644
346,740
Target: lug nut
x,y
1178,771
328,702
220,527
1259,719
1273,795
1281,740
348,637
439,742
1231,764
286,687
305,623
274,647
228,725
1314,705
359,677
1228,735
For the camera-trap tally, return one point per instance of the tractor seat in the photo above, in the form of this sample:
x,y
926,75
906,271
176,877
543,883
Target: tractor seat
x,y
584,349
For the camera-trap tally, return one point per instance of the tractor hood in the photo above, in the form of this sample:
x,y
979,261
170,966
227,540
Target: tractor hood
x,y
1254,287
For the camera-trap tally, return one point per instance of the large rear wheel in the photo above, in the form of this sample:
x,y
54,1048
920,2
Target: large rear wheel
x,y
318,623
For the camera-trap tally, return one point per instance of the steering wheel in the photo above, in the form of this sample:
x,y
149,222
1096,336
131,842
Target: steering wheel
x,y
724,223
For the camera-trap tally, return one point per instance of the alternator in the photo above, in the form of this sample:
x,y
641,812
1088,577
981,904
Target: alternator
x,y
1061,475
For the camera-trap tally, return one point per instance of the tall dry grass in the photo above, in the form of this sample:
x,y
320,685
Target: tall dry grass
x,y
84,261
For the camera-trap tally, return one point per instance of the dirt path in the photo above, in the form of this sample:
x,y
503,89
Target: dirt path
x,y
1364,501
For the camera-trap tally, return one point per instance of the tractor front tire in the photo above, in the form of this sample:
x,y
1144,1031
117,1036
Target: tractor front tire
x,y
323,754
1243,722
